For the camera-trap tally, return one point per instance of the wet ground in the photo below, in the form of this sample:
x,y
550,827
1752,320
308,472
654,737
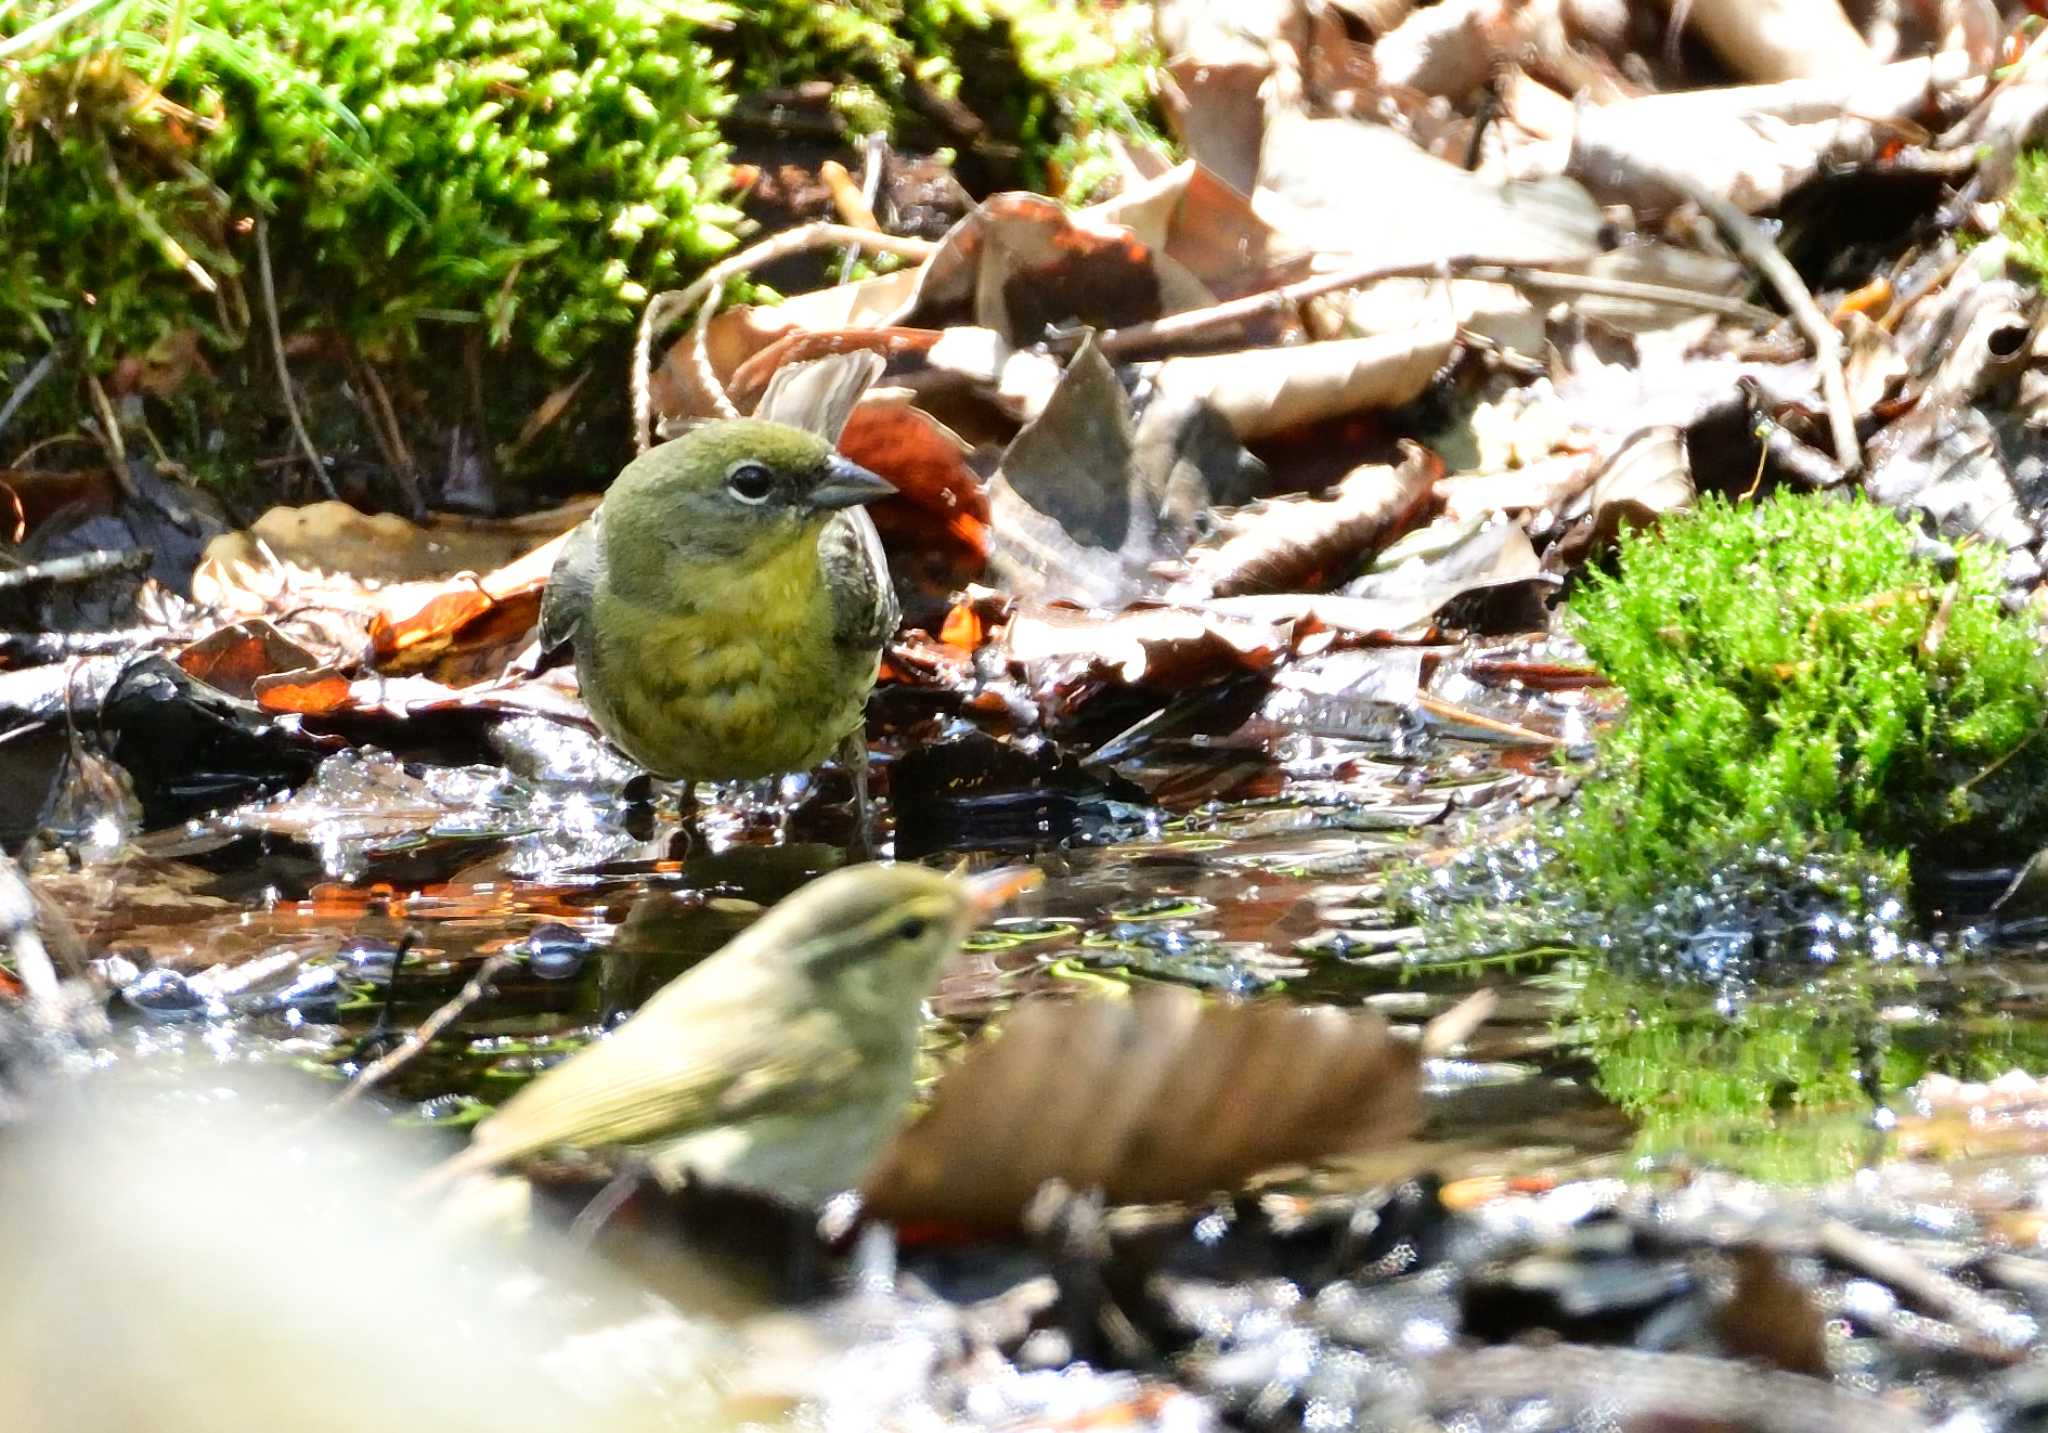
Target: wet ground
x,y
324,924
1314,845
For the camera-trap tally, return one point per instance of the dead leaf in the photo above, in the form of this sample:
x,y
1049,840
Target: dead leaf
x,y
1305,543
1209,228
232,658
1020,264
1649,475
936,527
1269,390
750,380
1157,644
1159,1097
1085,501
334,537
492,610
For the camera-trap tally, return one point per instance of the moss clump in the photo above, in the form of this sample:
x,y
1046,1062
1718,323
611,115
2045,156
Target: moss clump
x,y
1798,675
1049,78
521,167
2025,221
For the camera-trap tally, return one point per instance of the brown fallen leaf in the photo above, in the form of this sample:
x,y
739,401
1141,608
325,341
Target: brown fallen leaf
x,y
1269,390
1306,543
1020,263
750,380
383,547
1163,1096
469,612
936,528
1146,644
233,658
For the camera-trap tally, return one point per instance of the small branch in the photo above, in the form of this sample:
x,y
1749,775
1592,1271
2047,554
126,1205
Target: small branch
x,y
1207,322
110,434
385,1066
76,567
664,308
30,382
284,373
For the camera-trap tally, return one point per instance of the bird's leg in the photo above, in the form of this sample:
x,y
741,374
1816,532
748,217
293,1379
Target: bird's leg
x,y
853,755
674,806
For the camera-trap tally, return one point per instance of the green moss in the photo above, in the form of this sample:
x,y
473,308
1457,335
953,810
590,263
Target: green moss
x,y
1813,705
475,196
1798,675
1048,77
524,167
2025,222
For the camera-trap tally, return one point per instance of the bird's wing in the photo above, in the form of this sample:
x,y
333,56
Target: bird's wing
x,y
572,585
864,607
819,396
648,1081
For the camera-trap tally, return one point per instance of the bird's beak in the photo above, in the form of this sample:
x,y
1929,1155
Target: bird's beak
x,y
990,891
847,484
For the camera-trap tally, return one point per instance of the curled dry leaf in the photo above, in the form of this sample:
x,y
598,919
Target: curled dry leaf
x,y
1778,39
936,528
1163,645
1266,391
233,658
1209,228
465,614
750,380
1021,263
1649,475
1162,1096
1307,543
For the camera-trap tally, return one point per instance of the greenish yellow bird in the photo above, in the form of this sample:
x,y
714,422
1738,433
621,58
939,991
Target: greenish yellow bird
x,y
728,600
784,1062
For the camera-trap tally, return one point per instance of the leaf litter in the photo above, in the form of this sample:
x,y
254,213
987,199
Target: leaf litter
x,y
1232,512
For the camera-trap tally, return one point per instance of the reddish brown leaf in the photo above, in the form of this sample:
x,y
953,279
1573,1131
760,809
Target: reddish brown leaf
x,y
233,658
750,379
312,693
466,613
936,527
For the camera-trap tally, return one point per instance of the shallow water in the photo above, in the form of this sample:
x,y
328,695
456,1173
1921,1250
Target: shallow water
x,y
1256,870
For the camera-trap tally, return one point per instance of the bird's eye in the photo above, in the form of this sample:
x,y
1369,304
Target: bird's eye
x,y
750,482
913,928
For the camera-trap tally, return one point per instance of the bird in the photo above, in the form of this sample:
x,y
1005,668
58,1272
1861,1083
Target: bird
x,y
728,601
782,1063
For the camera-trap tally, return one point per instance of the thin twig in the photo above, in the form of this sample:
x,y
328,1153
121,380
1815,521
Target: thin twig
x,y
32,380
387,1065
1206,322
175,253
284,373
870,191
110,434
666,307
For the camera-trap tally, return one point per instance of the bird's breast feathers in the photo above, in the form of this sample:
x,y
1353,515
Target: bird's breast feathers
x,y
738,677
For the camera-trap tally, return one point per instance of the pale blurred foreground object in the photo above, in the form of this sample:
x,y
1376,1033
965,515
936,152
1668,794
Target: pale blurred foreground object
x,y
1163,1096
783,1062
190,1251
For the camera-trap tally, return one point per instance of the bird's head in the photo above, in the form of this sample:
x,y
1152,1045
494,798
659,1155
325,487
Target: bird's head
x,y
873,937
730,488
